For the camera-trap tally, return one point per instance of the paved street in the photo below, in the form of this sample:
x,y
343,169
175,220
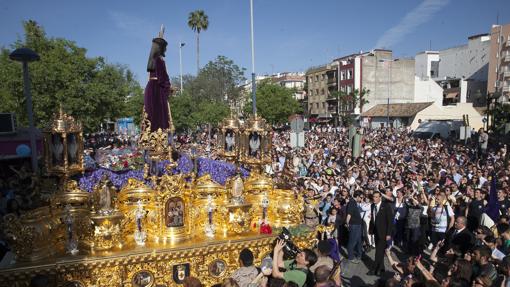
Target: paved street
x,y
355,275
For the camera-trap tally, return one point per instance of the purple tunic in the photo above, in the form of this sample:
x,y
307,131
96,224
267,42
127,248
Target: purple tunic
x,y
156,97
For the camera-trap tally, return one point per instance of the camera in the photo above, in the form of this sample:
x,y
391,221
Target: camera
x,y
290,250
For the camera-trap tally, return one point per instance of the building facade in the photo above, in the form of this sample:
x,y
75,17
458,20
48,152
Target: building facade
x,y
461,71
389,80
294,81
385,78
498,83
320,82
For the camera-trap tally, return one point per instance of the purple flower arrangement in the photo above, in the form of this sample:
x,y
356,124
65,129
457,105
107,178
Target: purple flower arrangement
x,y
220,172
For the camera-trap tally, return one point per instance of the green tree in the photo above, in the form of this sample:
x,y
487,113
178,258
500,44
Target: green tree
x,y
198,21
88,88
134,104
182,112
500,117
349,101
210,112
206,98
274,102
218,81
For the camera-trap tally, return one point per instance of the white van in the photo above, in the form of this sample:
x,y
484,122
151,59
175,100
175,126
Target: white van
x,y
432,130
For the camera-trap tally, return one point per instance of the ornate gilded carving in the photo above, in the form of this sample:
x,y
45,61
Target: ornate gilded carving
x,y
156,143
30,235
118,269
289,207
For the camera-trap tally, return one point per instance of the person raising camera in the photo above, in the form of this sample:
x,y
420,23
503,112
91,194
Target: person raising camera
x,y
295,270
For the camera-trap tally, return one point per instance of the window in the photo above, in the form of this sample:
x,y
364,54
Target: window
x,y
322,91
324,105
342,76
349,74
317,92
311,93
316,78
349,89
317,105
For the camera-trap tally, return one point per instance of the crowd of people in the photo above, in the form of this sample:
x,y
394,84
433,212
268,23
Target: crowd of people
x,y
441,203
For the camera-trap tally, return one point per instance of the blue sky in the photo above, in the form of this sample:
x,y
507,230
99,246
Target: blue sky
x,y
290,35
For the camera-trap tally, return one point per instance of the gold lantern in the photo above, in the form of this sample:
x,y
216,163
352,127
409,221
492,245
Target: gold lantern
x,y
63,146
229,139
256,143
63,157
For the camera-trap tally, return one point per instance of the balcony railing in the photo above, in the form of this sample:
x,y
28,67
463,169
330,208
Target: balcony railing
x,y
506,74
507,58
506,88
332,82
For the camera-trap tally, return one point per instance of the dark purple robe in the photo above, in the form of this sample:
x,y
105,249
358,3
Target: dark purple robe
x,y
156,96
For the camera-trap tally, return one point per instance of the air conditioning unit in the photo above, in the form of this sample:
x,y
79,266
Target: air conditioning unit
x,y
7,123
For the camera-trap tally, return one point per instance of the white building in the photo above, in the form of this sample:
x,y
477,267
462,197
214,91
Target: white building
x,y
291,81
461,71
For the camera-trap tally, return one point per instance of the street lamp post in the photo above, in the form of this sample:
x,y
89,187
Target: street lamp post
x,y
25,55
253,83
181,44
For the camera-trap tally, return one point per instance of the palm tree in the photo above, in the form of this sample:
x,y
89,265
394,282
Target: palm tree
x,y
198,21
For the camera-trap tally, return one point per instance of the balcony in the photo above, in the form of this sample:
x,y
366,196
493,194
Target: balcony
x,y
506,58
506,74
331,99
507,43
506,89
332,82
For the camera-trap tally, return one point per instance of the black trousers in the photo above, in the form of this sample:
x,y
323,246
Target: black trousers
x,y
380,247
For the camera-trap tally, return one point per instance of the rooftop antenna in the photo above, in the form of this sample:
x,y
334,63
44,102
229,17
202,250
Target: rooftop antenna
x,y
430,45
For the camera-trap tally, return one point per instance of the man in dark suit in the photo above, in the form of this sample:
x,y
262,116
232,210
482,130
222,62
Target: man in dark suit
x,y
459,237
382,227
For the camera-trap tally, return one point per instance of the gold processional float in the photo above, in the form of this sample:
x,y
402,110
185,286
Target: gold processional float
x,y
153,232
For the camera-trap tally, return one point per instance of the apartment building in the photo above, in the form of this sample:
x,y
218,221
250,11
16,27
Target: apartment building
x,y
498,83
460,71
320,81
294,81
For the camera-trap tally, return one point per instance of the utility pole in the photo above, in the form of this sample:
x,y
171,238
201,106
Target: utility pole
x,y
253,83
181,44
25,55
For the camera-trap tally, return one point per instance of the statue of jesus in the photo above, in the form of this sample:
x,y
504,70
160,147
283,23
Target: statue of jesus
x,y
158,89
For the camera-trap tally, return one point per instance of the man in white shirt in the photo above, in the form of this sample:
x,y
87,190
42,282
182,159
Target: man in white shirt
x,y
442,218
